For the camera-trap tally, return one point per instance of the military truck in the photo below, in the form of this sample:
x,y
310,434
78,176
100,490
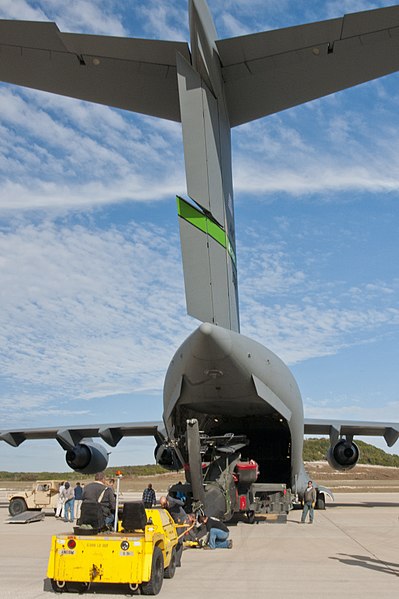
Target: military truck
x,y
42,495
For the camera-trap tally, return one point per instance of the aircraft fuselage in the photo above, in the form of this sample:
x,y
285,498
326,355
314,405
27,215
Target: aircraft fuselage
x,y
232,384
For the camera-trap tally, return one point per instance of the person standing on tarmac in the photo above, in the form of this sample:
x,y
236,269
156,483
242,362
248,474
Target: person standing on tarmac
x,y
78,492
149,497
59,512
309,500
69,498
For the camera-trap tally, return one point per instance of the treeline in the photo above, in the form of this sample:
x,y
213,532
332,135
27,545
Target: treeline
x,y
316,449
129,471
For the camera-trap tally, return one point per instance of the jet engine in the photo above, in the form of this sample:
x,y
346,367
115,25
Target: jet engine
x,y
344,455
87,458
166,456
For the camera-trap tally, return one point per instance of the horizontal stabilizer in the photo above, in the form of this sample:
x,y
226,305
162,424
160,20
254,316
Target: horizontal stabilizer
x,y
271,71
133,74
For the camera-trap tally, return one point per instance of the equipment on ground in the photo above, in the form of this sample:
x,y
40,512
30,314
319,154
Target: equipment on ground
x,y
220,483
27,517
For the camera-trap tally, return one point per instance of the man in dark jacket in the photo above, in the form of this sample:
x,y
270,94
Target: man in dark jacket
x,y
149,497
309,499
104,495
218,533
78,493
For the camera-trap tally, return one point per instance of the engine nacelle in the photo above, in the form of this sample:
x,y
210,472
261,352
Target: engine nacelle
x,y
166,456
87,458
344,455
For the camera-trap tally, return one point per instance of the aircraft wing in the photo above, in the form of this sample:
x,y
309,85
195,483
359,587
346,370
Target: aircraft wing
x,y
336,428
134,74
69,436
268,72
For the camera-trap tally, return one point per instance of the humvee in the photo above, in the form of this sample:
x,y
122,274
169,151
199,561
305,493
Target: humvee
x,y
43,495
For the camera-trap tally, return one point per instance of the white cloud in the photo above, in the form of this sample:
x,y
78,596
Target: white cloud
x,y
86,16
78,16
87,313
299,315
346,408
21,9
233,26
59,153
341,7
333,149
164,21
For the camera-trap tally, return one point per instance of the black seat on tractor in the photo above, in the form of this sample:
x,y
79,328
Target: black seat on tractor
x,y
91,518
134,516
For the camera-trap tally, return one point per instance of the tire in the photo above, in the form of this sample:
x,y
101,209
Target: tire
x,y
76,587
251,516
154,585
17,506
57,586
171,569
321,502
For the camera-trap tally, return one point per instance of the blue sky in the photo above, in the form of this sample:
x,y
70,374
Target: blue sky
x,y
91,297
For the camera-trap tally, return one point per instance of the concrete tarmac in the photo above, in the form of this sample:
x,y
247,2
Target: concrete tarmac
x,y
351,550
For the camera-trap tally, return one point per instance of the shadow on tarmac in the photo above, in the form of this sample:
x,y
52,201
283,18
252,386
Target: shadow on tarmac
x,y
363,504
365,561
103,588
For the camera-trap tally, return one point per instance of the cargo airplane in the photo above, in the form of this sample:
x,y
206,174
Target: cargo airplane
x,y
226,397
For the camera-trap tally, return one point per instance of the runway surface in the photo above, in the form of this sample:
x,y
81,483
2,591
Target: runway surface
x,y
351,549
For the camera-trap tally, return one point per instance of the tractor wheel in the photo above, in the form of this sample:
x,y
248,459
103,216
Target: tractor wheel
x,y
58,586
154,585
171,569
77,587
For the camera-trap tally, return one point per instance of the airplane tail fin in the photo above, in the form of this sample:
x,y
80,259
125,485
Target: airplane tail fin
x,y
209,265
207,224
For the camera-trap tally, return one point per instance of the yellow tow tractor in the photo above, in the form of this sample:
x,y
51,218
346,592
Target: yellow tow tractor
x,y
140,554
